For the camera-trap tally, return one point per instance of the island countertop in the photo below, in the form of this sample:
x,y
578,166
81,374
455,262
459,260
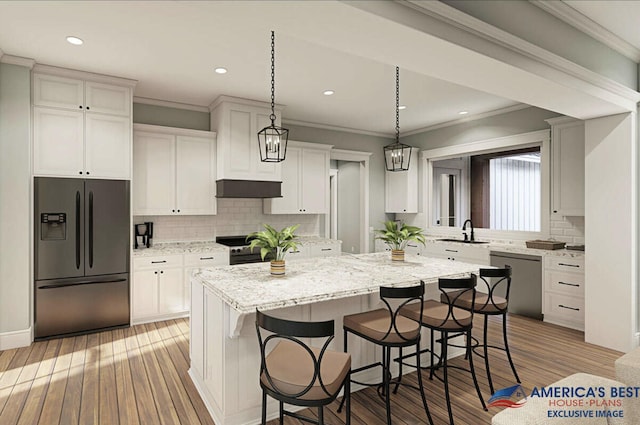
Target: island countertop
x,y
247,287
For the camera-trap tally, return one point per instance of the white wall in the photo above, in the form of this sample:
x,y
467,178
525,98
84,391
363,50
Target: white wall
x,y
235,217
15,201
611,216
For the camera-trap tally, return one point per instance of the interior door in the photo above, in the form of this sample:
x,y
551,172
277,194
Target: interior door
x,y
107,227
58,228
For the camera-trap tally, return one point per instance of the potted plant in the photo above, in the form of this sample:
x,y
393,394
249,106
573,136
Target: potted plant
x,y
397,237
275,244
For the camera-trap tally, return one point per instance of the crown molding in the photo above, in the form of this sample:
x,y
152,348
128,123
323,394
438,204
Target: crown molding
x,y
170,104
561,120
173,130
336,128
468,119
517,45
242,101
90,76
17,60
576,19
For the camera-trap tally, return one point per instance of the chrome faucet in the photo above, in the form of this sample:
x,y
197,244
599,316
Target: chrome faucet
x,y
464,227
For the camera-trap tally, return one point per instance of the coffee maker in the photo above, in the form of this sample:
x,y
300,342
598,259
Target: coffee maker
x,y
144,234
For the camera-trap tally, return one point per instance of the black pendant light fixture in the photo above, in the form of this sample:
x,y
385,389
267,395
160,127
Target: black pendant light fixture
x,y
272,140
397,155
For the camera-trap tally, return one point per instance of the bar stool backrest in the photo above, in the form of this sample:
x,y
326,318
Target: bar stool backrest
x,y
290,330
452,290
501,285
409,294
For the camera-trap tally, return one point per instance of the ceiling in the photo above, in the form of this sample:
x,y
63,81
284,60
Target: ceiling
x,y
172,48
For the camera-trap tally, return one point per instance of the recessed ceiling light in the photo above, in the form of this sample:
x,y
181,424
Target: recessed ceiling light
x,y
463,112
220,70
401,107
328,92
75,40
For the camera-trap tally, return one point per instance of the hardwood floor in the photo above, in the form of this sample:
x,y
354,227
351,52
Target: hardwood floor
x,y
139,376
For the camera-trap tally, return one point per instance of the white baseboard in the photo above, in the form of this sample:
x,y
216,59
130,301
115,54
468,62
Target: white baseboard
x,y
15,339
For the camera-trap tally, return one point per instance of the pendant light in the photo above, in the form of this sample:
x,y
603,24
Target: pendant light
x,y
397,155
272,140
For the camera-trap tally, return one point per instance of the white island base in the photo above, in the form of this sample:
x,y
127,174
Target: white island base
x,y
225,357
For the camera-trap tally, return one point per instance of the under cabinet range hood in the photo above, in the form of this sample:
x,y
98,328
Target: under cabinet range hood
x,y
228,188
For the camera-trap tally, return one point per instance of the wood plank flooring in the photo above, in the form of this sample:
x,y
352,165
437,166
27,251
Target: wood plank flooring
x,y
138,376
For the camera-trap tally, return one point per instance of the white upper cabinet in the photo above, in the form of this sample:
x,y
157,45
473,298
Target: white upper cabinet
x,y
567,166
173,171
401,188
305,181
82,128
236,123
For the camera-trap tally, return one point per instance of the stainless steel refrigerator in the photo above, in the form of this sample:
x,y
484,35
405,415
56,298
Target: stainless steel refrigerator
x,y
82,243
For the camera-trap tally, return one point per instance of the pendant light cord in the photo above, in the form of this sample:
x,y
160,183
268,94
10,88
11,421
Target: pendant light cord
x,y
273,78
397,104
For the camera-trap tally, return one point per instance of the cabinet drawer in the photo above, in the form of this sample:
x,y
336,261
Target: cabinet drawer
x,y
564,307
324,250
204,259
566,264
566,283
457,252
155,262
299,253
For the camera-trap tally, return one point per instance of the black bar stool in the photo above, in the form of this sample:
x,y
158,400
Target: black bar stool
x,y
297,374
387,328
450,321
490,304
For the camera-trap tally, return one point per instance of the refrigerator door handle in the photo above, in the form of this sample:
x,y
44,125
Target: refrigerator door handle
x,y
78,230
91,229
84,282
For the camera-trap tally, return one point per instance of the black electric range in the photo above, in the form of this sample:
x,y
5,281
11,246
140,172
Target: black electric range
x,y
239,252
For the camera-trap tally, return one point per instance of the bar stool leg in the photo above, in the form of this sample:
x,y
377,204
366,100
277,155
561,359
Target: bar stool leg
x,y
486,355
395,390
387,376
347,396
443,352
506,347
344,333
320,415
473,373
264,407
420,385
431,352
281,413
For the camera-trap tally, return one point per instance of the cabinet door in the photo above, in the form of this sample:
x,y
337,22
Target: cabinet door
x,y
107,146
58,92
154,180
195,176
58,142
196,329
145,293
314,188
107,99
568,169
289,203
171,291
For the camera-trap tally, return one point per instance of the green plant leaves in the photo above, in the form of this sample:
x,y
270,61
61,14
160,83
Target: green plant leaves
x,y
398,237
276,243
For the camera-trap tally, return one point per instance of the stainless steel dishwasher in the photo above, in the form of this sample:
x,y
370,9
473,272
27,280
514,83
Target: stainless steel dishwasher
x,y
525,296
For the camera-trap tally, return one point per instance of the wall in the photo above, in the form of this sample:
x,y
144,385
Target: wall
x,y
531,23
611,256
15,204
235,217
170,117
349,206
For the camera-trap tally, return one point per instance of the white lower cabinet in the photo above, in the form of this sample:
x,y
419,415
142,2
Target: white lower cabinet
x,y
196,328
457,252
158,289
563,300
299,253
326,250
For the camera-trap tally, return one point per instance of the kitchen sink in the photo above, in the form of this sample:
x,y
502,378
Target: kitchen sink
x,y
461,241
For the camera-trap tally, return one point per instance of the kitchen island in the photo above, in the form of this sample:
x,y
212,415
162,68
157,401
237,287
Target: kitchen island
x,y
225,358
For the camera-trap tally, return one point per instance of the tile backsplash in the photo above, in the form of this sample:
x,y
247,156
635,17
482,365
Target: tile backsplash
x,y
235,217
567,229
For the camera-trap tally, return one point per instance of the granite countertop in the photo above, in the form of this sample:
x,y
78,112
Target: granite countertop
x,y
171,248
250,286
196,247
515,247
